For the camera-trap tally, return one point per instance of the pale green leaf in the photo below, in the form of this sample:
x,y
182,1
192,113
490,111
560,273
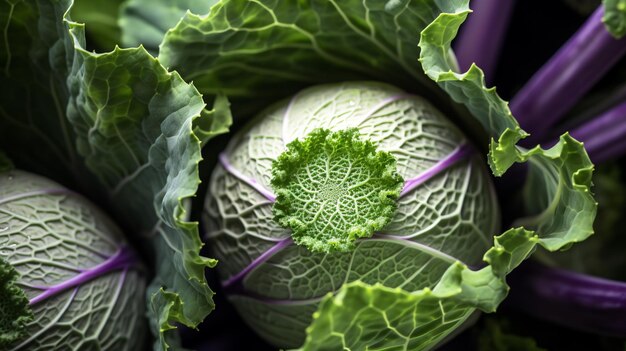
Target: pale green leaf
x,y
260,51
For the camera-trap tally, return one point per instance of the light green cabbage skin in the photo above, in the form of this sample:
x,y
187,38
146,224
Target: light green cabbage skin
x,y
49,235
451,217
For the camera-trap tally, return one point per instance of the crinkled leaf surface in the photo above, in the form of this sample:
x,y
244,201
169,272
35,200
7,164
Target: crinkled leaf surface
x,y
601,255
131,123
34,97
260,51
615,17
144,22
84,286
560,180
306,187
450,217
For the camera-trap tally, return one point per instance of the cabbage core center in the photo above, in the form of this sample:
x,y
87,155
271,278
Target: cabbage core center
x,y
333,188
332,192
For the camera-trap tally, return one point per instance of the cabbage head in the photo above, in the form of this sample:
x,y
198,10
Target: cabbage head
x,y
68,281
347,182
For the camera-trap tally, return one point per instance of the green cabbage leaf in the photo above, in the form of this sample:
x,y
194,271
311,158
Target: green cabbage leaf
x,y
119,126
256,51
120,123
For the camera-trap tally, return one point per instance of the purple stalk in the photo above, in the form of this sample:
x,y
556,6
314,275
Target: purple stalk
x,y
237,278
605,135
481,37
250,181
567,76
460,153
121,260
616,150
575,300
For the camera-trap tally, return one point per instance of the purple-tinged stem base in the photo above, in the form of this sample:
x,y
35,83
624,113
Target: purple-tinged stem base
x,y
572,299
605,135
481,36
566,77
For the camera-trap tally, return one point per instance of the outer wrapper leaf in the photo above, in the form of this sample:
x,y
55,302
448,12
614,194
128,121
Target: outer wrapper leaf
x,y
125,126
615,17
135,130
375,317
362,315
560,179
260,51
34,96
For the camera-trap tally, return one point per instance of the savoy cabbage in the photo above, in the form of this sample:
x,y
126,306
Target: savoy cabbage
x,y
389,192
118,128
82,284
126,127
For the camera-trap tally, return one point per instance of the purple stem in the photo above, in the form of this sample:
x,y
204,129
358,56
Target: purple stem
x,y
122,259
460,153
605,135
481,37
237,278
250,181
616,150
566,77
576,300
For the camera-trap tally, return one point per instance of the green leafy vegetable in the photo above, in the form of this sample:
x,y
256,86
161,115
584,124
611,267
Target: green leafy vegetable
x,y
259,51
121,127
446,195
71,267
329,207
267,266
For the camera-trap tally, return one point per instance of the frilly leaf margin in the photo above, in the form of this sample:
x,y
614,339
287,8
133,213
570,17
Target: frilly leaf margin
x,y
567,180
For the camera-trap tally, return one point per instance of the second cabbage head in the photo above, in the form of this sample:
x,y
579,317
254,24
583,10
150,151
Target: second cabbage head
x,y
346,182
